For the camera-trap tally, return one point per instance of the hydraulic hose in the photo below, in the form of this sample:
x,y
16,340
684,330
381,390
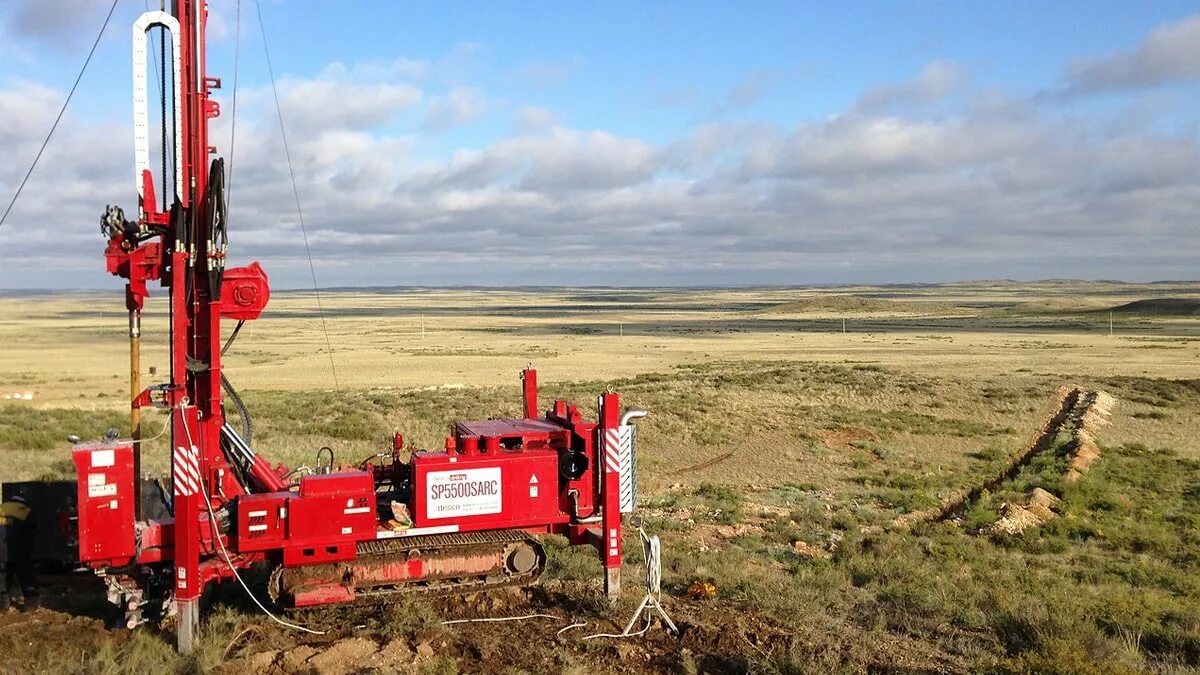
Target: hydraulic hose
x,y
247,421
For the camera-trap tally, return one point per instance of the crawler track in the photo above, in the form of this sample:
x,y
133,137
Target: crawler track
x,y
443,564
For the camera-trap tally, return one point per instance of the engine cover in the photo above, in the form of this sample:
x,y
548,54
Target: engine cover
x,y
502,489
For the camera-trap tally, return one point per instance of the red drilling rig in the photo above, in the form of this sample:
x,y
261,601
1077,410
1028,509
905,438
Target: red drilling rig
x,y
463,517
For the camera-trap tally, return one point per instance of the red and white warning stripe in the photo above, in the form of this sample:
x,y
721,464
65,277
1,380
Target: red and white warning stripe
x,y
187,471
628,479
612,450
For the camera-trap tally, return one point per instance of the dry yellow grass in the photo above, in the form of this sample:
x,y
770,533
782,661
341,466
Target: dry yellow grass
x,y
71,350
974,360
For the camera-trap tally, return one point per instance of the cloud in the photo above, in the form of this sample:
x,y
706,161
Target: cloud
x,y
745,93
401,68
313,105
50,20
531,119
455,108
937,80
1170,53
678,96
750,89
990,186
547,73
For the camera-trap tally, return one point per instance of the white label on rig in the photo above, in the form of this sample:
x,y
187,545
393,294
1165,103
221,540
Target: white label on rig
x,y
533,488
102,458
96,479
465,492
106,490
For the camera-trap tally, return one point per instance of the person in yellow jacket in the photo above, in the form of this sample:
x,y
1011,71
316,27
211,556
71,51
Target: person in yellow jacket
x,y
17,535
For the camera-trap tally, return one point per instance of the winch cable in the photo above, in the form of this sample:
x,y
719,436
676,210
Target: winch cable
x,y
58,119
216,533
237,57
296,193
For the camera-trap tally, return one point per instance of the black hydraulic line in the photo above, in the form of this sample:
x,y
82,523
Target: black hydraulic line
x,y
232,395
237,460
247,422
218,239
232,336
162,105
58,119
160,79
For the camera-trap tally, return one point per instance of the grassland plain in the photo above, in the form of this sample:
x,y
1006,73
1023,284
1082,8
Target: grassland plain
x,y
778,450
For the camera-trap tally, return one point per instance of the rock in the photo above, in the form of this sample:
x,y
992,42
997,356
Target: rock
x,y
425,651
1042,498
807,550
395,653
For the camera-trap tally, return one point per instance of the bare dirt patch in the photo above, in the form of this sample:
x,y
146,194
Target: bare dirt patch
x,y
844,438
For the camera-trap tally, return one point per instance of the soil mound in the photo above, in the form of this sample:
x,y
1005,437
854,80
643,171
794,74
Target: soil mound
x,y
1016,518
1083,439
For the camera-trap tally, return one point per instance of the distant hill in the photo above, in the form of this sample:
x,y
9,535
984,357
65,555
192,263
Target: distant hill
x,y
1160,307
853,304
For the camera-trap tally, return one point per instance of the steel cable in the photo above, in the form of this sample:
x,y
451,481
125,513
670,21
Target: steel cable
x,y
237,57
296,193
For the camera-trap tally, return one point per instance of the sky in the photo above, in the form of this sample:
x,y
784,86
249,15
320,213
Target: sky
x,y
633,143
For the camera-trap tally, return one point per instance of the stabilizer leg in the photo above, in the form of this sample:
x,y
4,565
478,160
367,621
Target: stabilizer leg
x,y
612,583
187,625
